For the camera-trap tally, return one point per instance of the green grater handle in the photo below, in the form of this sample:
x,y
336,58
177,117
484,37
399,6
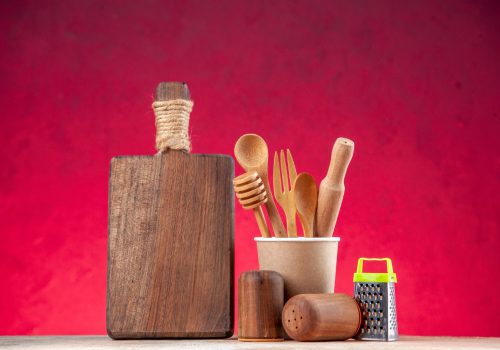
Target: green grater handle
x,y
383,277
387,260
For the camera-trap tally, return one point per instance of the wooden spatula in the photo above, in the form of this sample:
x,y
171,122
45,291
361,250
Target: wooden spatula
x,y
171,228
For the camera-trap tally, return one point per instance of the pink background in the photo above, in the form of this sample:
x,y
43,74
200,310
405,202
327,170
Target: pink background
x,y
414,83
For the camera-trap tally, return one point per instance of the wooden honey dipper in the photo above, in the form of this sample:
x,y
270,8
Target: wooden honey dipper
x,y
251,194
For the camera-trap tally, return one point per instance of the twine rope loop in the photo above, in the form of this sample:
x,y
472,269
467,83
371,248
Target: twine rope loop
x,y
172,124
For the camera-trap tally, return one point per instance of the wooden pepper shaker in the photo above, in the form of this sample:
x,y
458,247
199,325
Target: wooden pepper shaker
x,y
313,317
260,303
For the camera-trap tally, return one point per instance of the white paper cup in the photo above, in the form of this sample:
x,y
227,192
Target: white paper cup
x,y
308,265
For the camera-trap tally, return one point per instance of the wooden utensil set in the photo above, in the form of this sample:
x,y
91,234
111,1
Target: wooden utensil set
x,y
305,317
296,194
171,237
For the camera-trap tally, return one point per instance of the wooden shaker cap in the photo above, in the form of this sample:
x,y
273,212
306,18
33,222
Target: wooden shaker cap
x,y
260,303
313,317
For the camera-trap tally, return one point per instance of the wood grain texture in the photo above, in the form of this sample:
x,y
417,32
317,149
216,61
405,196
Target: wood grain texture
x,y
170,248
314,317
260,303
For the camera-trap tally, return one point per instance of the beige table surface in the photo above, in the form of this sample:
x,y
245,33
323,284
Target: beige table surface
x,y
103,342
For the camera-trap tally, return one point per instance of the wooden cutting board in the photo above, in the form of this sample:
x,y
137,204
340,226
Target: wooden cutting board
x,y
170,248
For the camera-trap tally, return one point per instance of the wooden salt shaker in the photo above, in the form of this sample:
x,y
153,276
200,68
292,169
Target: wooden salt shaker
x,y
313,317
260,303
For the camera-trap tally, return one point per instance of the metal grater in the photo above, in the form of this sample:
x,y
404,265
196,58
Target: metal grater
x,y
376,296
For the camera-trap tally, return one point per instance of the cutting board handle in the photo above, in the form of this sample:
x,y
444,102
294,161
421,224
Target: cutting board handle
x,y
172,107
167,91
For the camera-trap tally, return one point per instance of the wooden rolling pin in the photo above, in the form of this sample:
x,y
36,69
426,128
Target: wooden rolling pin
x,y
331,189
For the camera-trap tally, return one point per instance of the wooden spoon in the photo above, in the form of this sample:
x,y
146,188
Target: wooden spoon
x,y
306,198
252,154
251,194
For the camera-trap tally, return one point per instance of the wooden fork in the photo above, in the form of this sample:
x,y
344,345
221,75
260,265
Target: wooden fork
x,y
283,189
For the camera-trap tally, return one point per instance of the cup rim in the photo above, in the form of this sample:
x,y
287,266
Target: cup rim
x,y
297,239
